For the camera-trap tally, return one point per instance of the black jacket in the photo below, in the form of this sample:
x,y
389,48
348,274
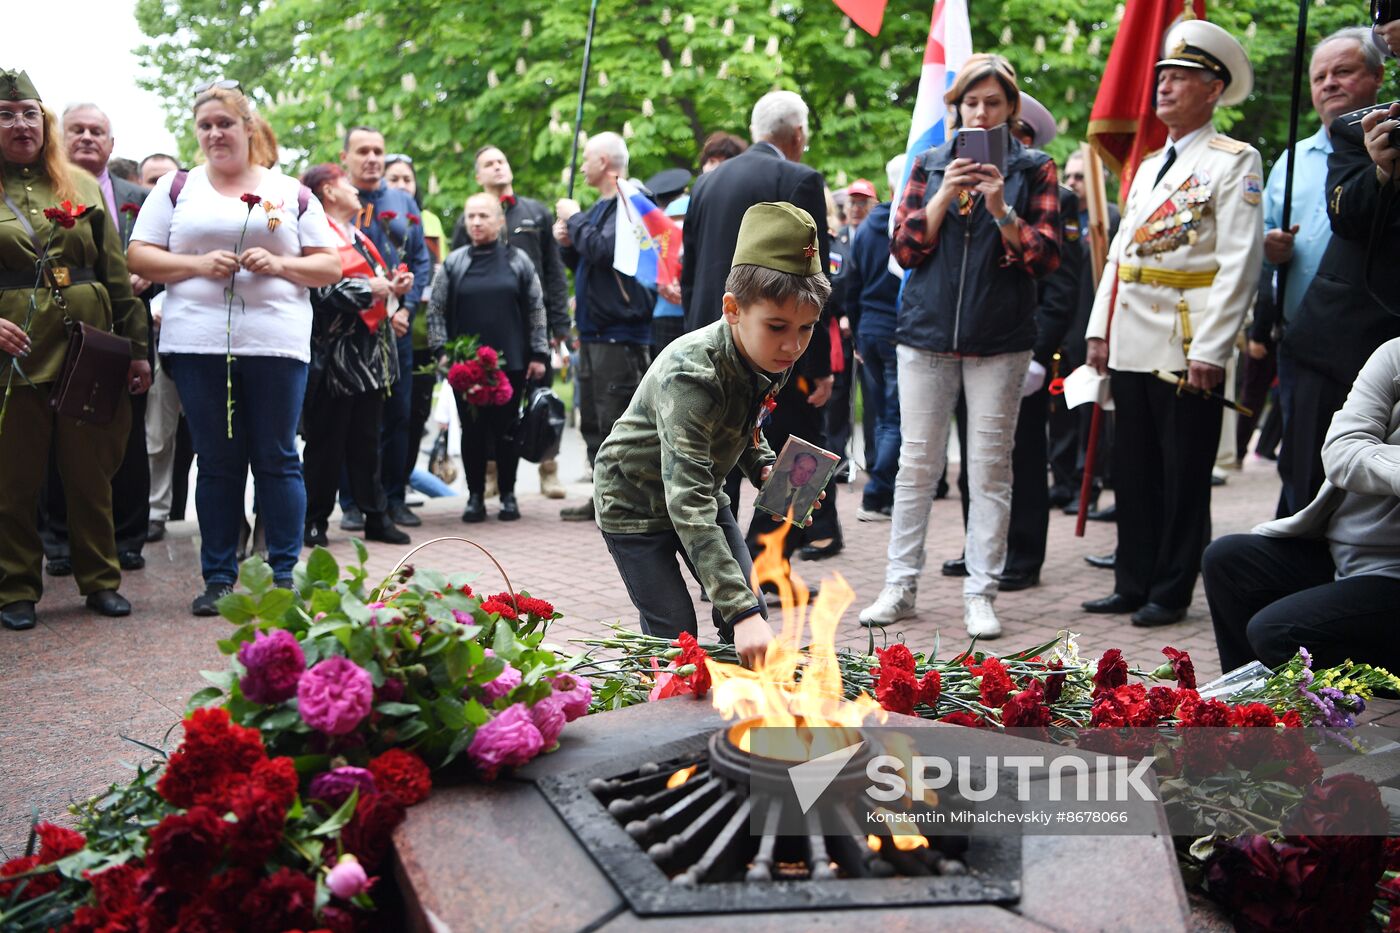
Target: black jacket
x,y
1073,352
1339,323
717,205
1058,292
501,304
530,229
609,307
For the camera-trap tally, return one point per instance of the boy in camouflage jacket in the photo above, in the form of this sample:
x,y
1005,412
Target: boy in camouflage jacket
x,y
659,476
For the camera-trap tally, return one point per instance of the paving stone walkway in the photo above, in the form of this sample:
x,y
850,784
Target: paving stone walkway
x,y
71,688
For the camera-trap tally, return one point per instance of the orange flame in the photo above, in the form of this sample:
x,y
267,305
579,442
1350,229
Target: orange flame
x,y
818,716
680,777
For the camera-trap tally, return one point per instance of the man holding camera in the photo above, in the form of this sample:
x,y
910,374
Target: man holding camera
x,y
1181,274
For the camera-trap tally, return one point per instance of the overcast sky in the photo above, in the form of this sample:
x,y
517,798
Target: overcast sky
x,y
87,56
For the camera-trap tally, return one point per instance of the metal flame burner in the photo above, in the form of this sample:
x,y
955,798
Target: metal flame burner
x,y
689,848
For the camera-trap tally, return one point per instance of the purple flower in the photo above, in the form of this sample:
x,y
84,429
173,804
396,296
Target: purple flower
x,y
274,663
463,617
348,878
549,717
391,691
504,683
334,787
510,738
335,696
577,693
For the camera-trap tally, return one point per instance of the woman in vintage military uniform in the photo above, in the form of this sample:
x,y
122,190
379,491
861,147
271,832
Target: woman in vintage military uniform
x,y
86,282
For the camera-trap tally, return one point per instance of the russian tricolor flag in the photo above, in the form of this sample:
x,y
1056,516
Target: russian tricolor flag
x,y
949,47
648,243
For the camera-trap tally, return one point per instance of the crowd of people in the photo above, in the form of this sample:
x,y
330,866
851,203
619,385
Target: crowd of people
x,y
261,308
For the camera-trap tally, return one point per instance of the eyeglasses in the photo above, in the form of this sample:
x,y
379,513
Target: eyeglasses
x,y
227,84
397,157
30,116
1074,176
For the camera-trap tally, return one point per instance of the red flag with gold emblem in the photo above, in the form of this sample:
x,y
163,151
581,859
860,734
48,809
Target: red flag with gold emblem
x,y
1123,125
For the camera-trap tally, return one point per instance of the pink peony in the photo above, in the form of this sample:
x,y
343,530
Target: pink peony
x,y
274,663
488,357
577,693
510,738
335,786
503,392
335,696
504,683
348,879
548,716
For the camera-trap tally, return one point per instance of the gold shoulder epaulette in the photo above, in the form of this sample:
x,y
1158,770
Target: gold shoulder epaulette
x,y
1152,153
1226,144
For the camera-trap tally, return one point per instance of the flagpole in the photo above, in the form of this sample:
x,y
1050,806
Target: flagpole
x,y
582,92
1299,46
1096,194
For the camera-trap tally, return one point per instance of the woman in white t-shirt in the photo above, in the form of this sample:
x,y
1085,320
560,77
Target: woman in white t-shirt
x,y
236,226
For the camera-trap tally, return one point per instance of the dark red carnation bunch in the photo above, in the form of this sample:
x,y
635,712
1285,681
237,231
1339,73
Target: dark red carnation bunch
x,y
1163,701
1112,671
964,718
402,773
1204,713
1253,715
185,847
55,842
215,757
996,683
285,900
118,901
896,657
66,214
1122,707
1026,709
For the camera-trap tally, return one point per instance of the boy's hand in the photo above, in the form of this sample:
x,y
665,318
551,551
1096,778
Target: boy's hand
x,y
751,638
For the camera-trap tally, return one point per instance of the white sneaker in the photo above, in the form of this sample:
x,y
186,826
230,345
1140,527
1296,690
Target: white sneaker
x,y
872,515
894,603
980,618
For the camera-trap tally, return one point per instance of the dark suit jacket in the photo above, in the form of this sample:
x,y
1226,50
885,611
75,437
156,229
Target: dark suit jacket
x,y
1339,323
1057,295
717,205
1074,349
127,193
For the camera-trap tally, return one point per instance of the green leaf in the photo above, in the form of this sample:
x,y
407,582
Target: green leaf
x,y
321,567
280,719
397,709
311,764
354,608
224,680
340,817
361,553
256,576
238,608
451,712
411,730
488,670
275,604
457,660
202,698
459,744
503,641
327,601
476,714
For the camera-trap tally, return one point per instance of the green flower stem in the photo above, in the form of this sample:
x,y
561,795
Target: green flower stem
x,y
228,329
13,364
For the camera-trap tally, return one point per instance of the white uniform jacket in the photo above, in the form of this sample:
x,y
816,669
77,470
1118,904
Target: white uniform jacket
x,y
1203,217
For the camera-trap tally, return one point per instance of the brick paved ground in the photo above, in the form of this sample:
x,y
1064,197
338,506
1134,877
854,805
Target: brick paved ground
x,y
72,687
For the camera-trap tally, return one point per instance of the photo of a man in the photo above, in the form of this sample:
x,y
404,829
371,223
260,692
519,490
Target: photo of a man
x,y
797,481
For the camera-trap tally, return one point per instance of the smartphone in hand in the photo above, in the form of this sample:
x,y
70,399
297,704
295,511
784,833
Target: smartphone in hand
x,y
983,146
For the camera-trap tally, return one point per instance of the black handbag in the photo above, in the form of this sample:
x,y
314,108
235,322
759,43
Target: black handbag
x,y
541,426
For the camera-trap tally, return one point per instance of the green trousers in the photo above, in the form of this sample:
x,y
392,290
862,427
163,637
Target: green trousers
x,y
87,456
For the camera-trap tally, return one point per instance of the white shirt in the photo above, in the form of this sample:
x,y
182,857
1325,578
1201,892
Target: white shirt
x,y
271,315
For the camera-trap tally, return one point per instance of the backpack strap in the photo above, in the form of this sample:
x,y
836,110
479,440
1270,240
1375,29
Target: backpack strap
x,y
303,198
177,184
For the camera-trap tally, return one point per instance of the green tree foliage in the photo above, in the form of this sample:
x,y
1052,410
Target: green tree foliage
x,y
442,78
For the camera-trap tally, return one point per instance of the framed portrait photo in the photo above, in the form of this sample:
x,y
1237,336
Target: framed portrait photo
x,y
800,474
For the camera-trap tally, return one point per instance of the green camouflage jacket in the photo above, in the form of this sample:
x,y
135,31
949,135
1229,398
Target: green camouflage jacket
x,y
663,466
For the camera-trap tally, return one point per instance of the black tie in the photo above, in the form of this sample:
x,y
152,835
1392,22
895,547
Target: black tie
x,y
1166,165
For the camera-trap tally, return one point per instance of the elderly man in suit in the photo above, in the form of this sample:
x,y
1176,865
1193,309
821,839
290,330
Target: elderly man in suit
x,y
769,170
1181,275
88,139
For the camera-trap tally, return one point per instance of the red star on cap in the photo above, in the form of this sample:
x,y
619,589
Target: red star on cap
x,y
809,251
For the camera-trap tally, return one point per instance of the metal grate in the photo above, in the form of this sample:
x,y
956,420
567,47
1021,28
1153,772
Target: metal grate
x,y
689,848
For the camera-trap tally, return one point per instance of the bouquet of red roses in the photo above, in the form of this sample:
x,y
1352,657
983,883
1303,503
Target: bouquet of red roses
x,y
475,373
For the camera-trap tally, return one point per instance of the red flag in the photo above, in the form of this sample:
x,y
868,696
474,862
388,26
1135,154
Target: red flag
x,y
867,14
1123,126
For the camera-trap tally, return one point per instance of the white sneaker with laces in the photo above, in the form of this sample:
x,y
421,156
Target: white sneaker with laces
x,y
871,515
893,604
980,618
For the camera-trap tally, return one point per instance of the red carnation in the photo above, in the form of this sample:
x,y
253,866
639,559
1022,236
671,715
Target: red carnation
x,y
277,776
1112,671
118,908
35,886
1292,719
1253,715
1054,683
692,653
930,686
368,835
1206,713
261,820
896,656
185,847
251,199
129,208
215,757
403,774
1163,701
56,842
964,718
499,606
284,901
996,683
897,690
535,608
1025,708
387,216
414,220
1182,668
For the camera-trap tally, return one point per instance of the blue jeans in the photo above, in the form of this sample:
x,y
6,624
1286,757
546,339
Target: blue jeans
x,y
393,438
267,397
879,382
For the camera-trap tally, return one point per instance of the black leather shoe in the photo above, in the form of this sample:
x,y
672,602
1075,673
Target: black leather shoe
x,y
59,567
821,551
1011,581
1072,507
207,603
315,536
1112,605
1109,514
18,616
1060,497
379,528
955,568
475,510
155,530
109,603
400,515
510,509
1101,561
352,519
130,560
1153,615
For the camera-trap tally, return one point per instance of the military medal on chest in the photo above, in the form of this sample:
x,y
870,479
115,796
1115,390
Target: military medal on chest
x,y
1177,221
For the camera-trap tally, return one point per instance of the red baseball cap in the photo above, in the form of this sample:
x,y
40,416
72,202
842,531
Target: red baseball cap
x,y
861,188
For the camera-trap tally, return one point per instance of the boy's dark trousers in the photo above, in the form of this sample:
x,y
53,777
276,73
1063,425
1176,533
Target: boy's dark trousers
x,y
647,563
